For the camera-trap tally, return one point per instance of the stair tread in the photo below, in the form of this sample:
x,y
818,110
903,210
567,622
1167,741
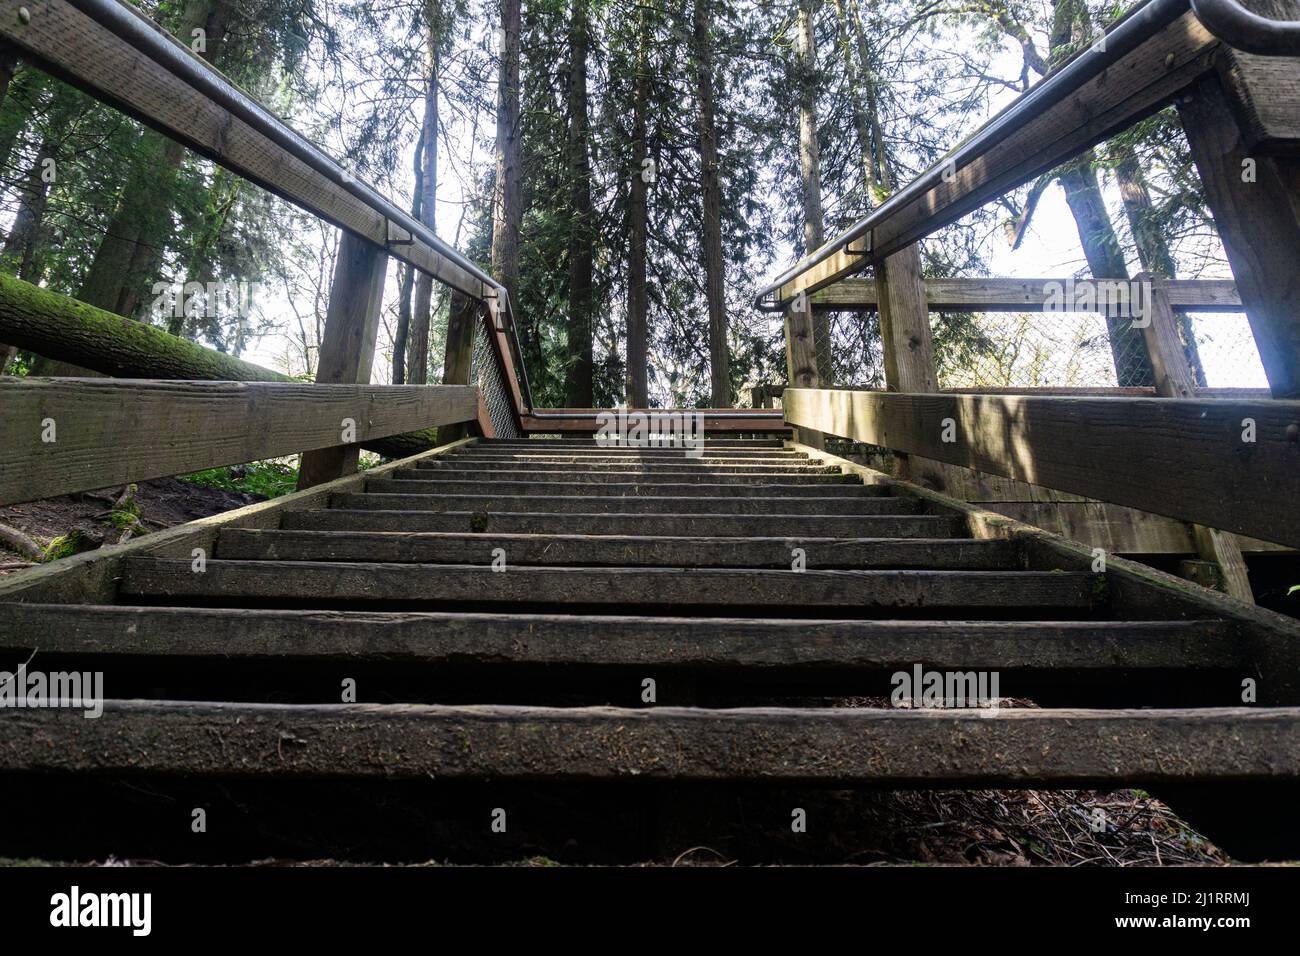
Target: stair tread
x,y
616,550
652,586
631,504
986,746
415,484
440,636
341,518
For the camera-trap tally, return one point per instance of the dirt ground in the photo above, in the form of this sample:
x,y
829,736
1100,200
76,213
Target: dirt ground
x,y
163,502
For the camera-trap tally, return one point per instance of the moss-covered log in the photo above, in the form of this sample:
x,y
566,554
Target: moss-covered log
x,y
59,327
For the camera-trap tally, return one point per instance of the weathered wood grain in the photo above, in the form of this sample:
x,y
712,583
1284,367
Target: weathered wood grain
x,y
1259,223
641,489
874,526
379,499
307,582
109,432
347,348
1002,747
616,550
1181,458
435,637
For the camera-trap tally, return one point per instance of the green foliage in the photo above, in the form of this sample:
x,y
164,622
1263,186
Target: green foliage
x,y
270,478
65,545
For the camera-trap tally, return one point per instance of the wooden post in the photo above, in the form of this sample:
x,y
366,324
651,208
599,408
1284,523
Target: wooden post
x,y
801,358
458,364
905,323
1174,379
347,348
908,346
1253,190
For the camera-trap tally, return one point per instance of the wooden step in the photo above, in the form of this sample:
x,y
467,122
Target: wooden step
x,y
483,485
752,644
554,444
601,504
768,455
724,525
679,467
616,551
309,583
639,476
1000,747
675,461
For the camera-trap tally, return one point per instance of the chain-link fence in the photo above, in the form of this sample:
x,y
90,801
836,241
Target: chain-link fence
x,y
1038,350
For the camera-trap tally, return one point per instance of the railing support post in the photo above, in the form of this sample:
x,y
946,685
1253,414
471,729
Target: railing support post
x,y
458,364
905,323
347,348
1252,183
1174,379
908,343
801,358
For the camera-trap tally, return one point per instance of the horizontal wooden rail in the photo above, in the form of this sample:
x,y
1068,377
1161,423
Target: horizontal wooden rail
x,y
66,435
1233,465
1023,295
587,420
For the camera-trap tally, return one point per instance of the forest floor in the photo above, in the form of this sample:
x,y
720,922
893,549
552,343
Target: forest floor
x,y
160,503
943,828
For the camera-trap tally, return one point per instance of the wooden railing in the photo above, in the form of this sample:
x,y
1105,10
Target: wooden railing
x,y
110,432
1229,464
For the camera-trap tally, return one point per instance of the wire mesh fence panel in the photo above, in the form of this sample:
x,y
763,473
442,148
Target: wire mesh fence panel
x,y
1226,345
1023,350
486,373
1084,350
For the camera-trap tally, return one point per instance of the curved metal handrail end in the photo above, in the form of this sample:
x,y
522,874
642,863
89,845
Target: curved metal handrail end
x,y
1249,32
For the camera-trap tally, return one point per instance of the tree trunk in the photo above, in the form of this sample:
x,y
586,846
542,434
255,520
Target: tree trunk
x,y
48,323
810,165
581,251
1101,247
23,244
1105,261
714,264
1153,250
878,152
507,204
401,334
417,349
8,62
810,162
638,386
130,256
853,77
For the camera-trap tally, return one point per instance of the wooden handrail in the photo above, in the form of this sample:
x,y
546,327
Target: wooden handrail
x,y
113,52
1154,52
1233,465
67,435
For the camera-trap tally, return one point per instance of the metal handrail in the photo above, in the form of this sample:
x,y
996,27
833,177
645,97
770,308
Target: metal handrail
x,y
155,42
1242,30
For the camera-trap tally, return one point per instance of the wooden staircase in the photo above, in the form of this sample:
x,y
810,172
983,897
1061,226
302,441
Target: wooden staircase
x,y
655,624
